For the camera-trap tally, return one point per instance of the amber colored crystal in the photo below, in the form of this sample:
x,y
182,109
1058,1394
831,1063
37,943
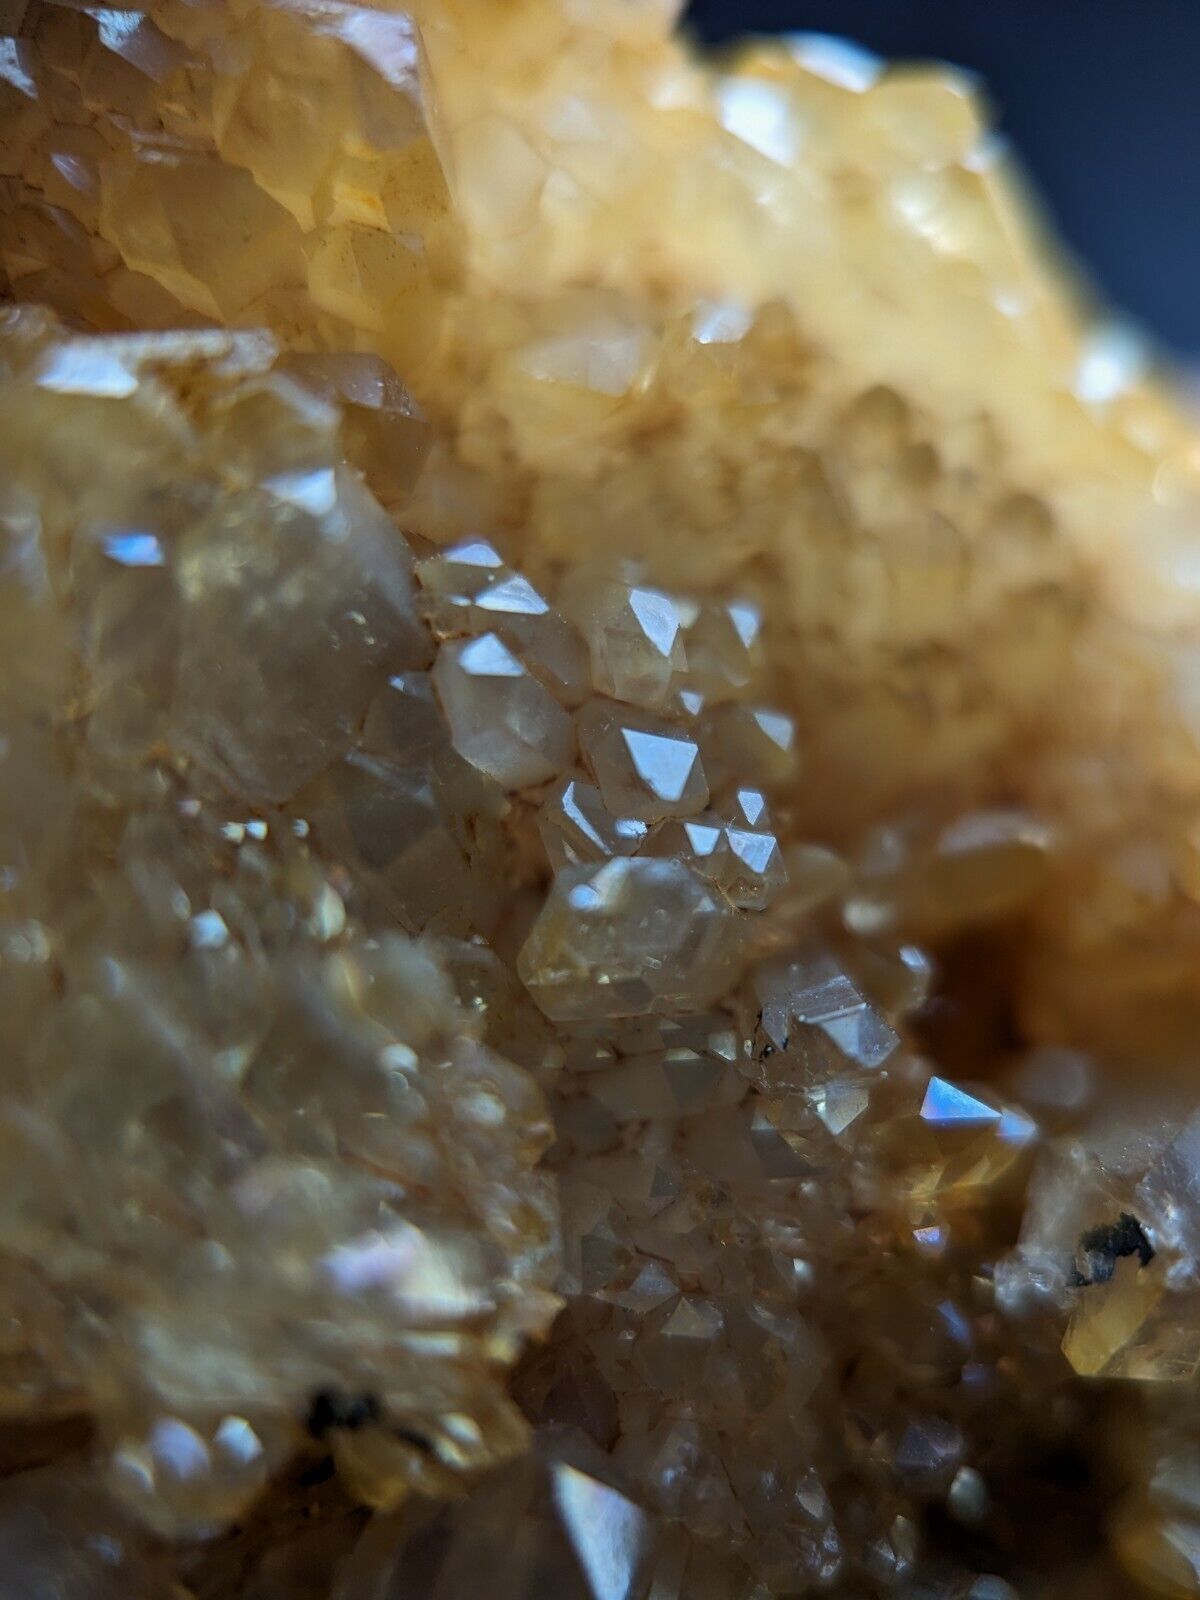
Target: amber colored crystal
x,y
599,879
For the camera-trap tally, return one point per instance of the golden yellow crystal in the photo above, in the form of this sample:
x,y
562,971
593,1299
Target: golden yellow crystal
x,y
532,567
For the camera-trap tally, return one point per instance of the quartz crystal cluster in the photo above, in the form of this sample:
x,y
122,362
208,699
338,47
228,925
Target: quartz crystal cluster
x,y
599,881
257,1151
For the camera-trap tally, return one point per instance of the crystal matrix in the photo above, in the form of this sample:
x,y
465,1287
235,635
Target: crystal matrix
x,y
540,577
784,322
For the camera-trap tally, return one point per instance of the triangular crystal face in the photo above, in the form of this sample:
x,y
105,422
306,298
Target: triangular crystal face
x,y
657,617
515,595
947,1106
663,763
609,1534
487,657
551,1525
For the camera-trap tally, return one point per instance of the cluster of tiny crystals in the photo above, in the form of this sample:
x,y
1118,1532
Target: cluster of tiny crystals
x,y
597,796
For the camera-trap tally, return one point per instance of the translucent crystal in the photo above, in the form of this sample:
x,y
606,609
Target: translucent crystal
x,y
636,638
628,937
501,718
1168,1196
469,590
576,826
1124,1328
742,738
818,993
179,1477
724,650
554,1523
381,428
755,872
329,576
262,1058
964,1145
646,768
701,841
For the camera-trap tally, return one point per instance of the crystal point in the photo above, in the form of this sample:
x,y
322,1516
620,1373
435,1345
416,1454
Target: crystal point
x,y
626,938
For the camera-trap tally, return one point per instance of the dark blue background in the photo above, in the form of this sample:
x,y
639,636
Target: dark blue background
x,y
1101,99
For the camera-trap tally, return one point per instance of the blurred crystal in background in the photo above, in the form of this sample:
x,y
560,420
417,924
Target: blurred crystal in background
x,y
1100,100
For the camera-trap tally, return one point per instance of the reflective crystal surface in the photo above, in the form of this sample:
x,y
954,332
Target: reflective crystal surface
x,y
240,1098
501,719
